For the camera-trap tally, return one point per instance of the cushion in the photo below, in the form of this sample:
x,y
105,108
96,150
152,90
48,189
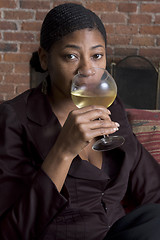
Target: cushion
x,y
146,126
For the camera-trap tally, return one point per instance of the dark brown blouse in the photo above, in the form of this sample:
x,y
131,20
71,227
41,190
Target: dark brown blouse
x,y
91,198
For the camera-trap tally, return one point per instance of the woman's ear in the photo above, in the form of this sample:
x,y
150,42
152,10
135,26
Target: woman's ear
x,y
43,58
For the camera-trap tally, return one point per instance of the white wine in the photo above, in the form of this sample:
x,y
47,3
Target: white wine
x,y
96,87
82,99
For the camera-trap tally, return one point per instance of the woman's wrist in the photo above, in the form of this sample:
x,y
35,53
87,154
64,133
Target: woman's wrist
x,y
56,166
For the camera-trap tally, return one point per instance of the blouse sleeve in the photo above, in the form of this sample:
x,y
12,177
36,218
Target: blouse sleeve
x,y
29,199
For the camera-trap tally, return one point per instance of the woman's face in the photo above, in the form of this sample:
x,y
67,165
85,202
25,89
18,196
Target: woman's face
x,y
75,52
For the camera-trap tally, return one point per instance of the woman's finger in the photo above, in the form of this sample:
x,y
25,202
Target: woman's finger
x,y
100,124
90,115
92,108
90,130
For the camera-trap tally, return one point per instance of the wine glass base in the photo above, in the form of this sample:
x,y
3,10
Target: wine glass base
x,y
108,143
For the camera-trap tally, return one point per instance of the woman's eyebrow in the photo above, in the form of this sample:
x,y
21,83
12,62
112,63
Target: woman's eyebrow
x,y
72,46
97,46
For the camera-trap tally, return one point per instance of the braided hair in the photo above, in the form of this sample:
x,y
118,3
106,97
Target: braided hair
x,y
67,18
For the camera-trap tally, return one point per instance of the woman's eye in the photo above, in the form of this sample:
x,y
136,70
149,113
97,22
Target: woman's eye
x,y
97,56
70,56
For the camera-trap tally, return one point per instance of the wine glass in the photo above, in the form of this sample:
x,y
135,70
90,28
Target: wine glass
x,y
96,87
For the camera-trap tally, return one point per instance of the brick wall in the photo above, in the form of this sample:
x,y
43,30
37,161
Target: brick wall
x,y
133,27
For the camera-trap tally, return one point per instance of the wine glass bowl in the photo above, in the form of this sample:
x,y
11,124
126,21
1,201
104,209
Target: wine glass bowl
x,y
96,87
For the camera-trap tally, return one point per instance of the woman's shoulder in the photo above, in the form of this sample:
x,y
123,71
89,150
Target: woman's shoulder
x,y
20,99
18,105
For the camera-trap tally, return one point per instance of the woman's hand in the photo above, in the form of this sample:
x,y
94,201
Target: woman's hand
x,y
82,125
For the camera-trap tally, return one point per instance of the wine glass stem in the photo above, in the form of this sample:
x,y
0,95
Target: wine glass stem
x,y
106,139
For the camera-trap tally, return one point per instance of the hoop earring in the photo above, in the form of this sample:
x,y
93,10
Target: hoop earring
x,y
44,87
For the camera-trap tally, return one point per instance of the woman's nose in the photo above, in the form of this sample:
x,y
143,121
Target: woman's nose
x,y
86,69
86,72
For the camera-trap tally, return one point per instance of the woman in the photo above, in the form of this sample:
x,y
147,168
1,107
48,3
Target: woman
x,y
52,184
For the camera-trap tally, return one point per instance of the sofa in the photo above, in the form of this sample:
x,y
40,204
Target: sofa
x,y
146,126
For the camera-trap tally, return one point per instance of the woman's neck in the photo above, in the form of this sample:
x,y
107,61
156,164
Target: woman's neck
x,y
60,104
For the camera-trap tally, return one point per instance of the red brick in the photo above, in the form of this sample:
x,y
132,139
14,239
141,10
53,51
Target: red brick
x,y
152,8
16,78
140,19
150,52
37,37
29,47
113,18
109,28
35,4
101,6
4,25
31,26
7,96
127,7
16,57
1,77
126,29
18,36
40,15
6,88
22,68
157,19
22,88
8,47
151,0
57,2
143,41
17,14
8,4
109,51
5,67
152,30
118,39
158,41
125,51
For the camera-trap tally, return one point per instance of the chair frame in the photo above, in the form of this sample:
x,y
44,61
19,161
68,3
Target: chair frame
x,y
114,64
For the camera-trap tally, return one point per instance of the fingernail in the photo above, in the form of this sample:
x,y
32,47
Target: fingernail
x,y
117,124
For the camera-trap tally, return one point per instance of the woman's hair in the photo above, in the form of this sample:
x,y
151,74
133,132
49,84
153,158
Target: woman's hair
x,y
67,18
